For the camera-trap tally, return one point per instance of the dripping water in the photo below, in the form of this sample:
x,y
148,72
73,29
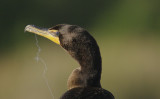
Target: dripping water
x,y
39,59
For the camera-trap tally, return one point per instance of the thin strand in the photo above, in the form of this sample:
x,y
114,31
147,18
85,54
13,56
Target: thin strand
x,y
38,58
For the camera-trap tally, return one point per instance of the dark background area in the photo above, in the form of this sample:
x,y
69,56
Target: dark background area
x,y
127,31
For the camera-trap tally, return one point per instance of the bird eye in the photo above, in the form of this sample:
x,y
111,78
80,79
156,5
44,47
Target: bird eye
x,y
57,33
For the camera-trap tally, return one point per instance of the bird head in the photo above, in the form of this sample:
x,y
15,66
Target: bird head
x,y
76,40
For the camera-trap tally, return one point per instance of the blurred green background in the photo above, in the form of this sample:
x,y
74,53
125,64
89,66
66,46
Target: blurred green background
x,y
127,31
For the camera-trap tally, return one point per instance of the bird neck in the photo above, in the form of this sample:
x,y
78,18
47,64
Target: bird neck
x,y
89,72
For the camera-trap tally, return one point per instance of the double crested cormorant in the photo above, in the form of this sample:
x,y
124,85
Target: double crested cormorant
x,y
84,82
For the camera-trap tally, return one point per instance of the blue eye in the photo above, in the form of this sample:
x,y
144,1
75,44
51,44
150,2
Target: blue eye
x,y
57,33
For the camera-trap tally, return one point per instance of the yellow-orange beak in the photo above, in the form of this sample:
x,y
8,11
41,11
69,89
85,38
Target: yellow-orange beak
x,y
50,34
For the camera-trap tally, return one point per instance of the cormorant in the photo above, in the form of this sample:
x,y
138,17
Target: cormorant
x,y
84,81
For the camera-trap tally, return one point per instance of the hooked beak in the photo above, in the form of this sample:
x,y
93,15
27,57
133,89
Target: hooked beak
x,y
53,35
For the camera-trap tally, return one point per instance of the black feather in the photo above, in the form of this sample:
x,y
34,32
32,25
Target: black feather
x,y
84,82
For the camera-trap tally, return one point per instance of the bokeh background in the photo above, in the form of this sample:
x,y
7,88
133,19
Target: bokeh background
x,y
127,31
